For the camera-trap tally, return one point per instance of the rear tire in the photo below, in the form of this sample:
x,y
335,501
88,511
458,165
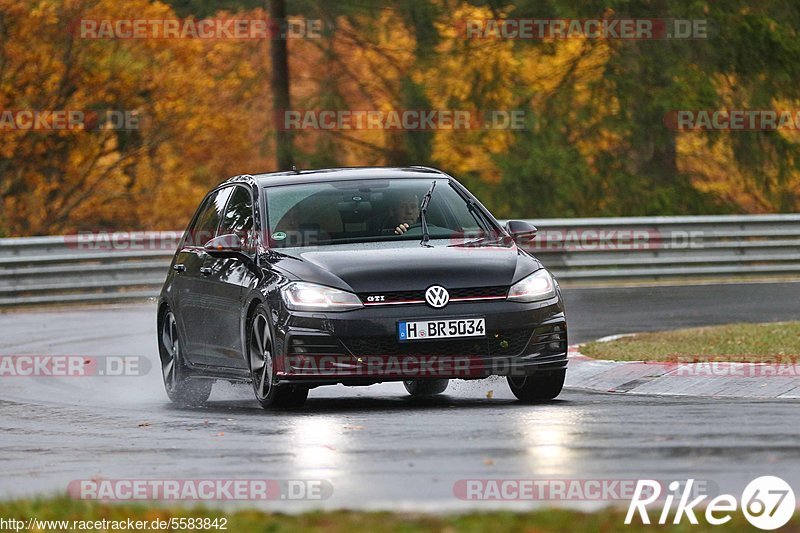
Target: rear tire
x,y
262,366
425,388
181,388
537,387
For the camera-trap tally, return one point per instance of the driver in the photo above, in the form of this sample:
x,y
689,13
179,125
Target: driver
x,y
404,212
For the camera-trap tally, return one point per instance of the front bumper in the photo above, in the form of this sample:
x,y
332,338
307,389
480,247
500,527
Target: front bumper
x,y
361,346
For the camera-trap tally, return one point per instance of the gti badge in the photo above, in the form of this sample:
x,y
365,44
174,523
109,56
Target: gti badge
x,y
437,296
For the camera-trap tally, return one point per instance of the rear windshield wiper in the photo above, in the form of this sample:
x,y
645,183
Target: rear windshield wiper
x,y
423,209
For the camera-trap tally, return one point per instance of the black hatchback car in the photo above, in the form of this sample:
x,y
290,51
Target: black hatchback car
x,y
293,280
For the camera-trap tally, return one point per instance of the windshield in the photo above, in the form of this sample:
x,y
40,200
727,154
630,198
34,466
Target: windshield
x,y
314,214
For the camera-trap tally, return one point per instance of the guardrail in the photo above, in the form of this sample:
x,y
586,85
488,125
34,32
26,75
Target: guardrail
x,y
133,265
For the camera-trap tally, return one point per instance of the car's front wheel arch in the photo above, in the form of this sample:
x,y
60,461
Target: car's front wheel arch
x,y
261,361
244,329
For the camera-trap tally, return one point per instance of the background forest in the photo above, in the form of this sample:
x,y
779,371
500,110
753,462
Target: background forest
x,y
595,141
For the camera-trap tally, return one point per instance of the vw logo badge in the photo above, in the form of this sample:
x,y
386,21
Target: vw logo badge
x,y
437,296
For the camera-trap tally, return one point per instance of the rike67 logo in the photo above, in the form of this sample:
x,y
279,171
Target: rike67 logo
x,y
767,503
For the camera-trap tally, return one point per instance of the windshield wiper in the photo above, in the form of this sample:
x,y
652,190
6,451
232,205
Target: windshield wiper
x,y
490,234
423,209
475,210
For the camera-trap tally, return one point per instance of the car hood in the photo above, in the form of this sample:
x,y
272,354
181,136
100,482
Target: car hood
x,y
405,265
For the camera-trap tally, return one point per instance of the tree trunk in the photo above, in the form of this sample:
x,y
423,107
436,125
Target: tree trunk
x,y
279,82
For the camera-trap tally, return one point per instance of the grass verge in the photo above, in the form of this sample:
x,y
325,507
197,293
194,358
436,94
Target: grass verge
x,y
770,343
350,521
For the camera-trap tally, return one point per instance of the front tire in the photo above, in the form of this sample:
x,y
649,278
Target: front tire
x,y
262,367
425,388
537,387
181,389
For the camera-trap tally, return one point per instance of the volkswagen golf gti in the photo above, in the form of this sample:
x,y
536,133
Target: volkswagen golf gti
x,y
293,280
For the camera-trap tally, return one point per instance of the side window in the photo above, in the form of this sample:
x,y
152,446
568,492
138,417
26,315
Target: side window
x,y
238,217
208,218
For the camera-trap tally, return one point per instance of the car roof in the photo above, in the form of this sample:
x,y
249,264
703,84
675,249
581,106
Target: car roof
x,y
338,174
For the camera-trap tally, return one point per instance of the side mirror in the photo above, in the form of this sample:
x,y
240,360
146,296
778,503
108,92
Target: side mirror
x,y
225,245
521,230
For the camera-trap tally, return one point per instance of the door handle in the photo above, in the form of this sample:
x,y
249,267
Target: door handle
x,y
206,271
180,267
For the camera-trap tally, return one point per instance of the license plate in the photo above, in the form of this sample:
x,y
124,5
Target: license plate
x,y
441,329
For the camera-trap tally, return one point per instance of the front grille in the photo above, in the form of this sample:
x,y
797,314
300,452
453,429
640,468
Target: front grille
x,y
477,292
499,343
416,296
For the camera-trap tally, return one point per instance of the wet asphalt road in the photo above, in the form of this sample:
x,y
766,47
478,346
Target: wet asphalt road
x,y
377,447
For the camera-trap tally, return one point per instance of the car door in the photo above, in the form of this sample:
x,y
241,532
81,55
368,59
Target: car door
x,y
226,280
193,295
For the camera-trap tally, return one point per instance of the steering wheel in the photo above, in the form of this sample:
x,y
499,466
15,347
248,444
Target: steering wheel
x,y
390,231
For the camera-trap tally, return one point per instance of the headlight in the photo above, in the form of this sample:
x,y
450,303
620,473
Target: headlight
x,y
537,286
301,296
